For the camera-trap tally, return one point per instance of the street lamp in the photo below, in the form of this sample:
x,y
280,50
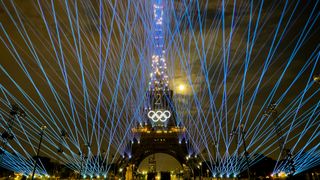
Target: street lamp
x,y
290,162
272,112
8,134
193,162
38,151
83,157
245,150
15,111
63,135
246,154
200,166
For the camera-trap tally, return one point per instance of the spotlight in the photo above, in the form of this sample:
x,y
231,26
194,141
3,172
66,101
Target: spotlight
x,y
43,127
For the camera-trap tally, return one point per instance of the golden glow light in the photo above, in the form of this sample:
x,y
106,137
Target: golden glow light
x,y
282,174
182,87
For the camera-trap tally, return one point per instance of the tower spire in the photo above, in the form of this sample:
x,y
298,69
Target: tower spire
x,y
159,108
158,76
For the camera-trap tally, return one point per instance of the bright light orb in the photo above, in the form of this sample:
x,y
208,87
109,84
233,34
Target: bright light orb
x,y
182,87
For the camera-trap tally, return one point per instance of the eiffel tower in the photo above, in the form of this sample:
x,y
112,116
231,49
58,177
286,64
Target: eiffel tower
x,y
160,132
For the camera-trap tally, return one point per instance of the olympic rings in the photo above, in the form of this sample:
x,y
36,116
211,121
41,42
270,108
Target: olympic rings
x,y
162,116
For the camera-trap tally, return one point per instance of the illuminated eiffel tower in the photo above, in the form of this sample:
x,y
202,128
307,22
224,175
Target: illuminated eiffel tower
x,y
159,133
159,107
